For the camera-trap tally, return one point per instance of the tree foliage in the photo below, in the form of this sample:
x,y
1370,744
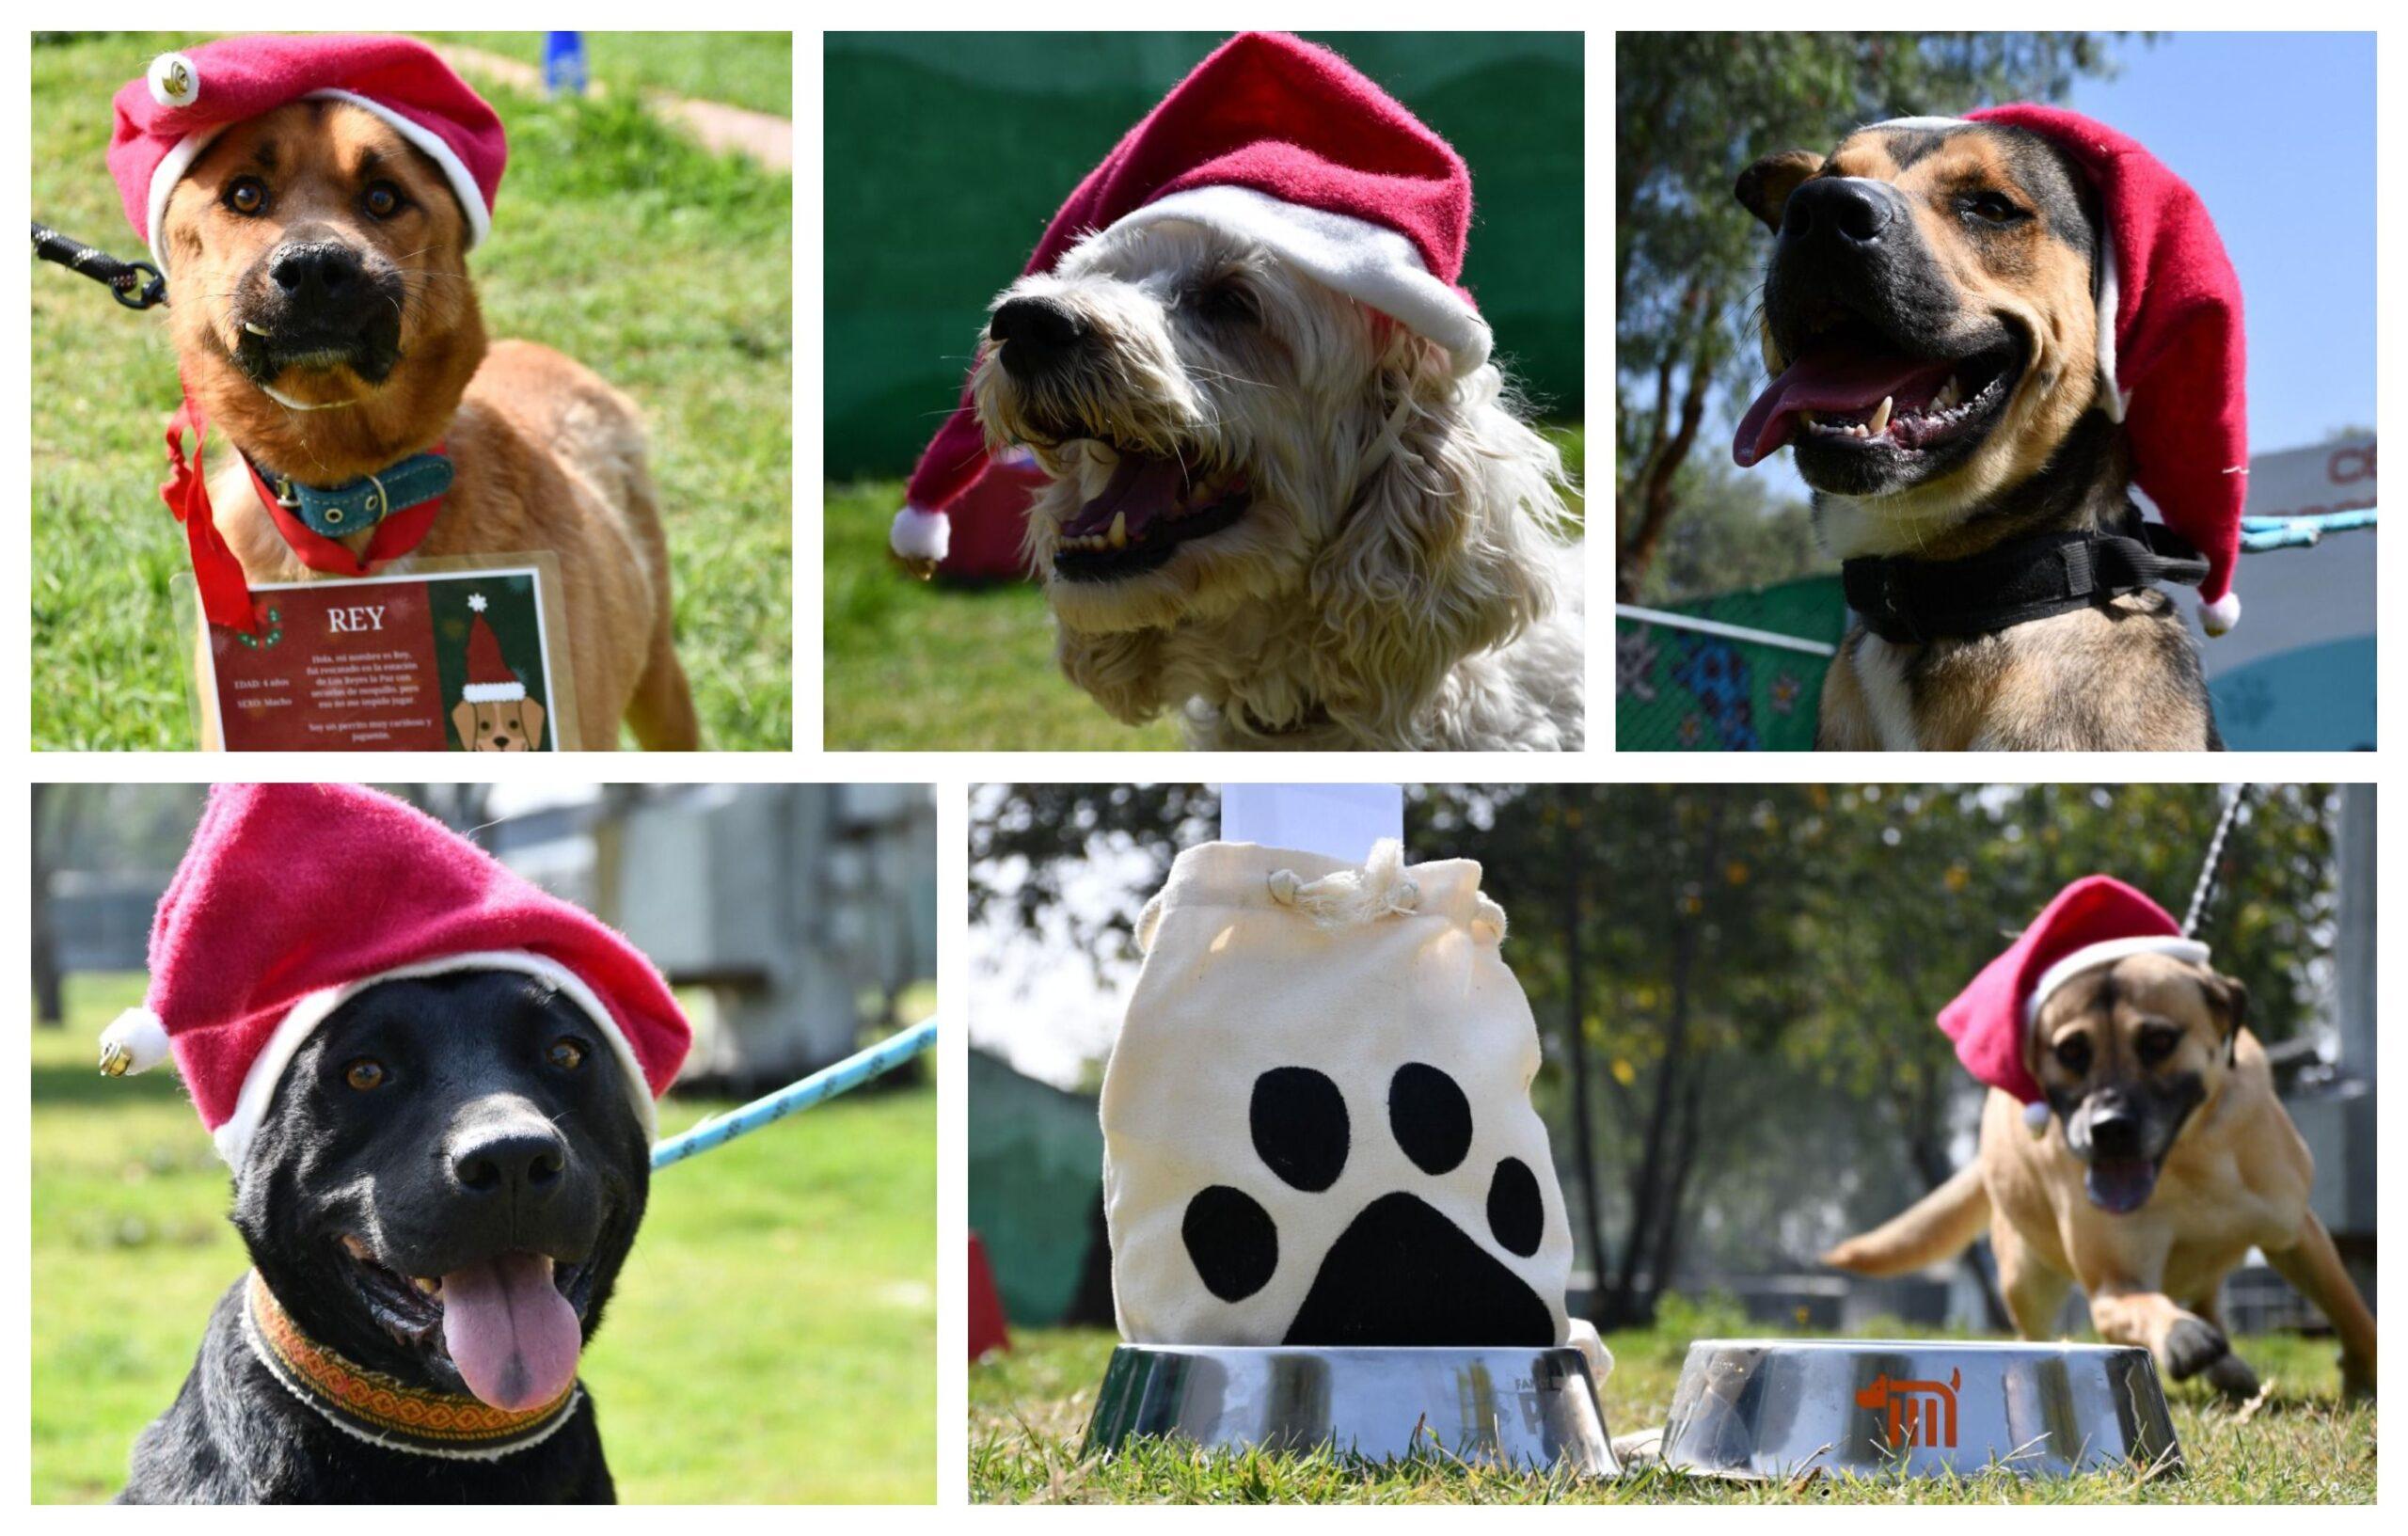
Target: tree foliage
x,y
1696,108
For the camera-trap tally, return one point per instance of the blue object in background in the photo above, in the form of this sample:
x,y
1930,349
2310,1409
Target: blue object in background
x,y
564,63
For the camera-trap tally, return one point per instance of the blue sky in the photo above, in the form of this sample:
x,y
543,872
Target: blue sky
x,y
2276,130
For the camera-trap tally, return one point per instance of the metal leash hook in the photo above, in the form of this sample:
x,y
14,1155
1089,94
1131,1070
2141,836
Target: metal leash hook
x,y
138,285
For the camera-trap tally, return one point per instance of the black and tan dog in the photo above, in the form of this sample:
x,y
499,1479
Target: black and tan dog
x,y
1930,318
2165,1159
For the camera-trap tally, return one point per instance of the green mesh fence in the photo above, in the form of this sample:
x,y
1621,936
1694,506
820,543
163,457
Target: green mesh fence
x,y
1684,688
946,154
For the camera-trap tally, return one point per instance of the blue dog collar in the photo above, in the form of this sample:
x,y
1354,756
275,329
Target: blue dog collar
x,y
362,503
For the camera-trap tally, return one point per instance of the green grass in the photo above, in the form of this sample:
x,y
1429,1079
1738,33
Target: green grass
x,y
752,70
772,1339
919,666
666,269
1029,1408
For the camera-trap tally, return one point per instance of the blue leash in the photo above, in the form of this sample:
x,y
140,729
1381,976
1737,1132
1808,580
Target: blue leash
x,y
2258,535
794,1098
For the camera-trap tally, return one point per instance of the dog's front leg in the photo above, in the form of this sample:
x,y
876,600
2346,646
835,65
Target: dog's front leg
x,y
2184,1343
2314,1266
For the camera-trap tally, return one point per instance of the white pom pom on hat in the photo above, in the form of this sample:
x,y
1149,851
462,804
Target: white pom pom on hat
x,y
173,80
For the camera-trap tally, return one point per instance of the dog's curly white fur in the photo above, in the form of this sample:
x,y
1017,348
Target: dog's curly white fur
x,y
1404,574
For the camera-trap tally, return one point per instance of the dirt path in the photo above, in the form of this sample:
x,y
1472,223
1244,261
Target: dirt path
x,y
758,135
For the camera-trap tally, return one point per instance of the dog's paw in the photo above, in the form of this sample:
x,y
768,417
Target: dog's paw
x,y
2232,1377
2357,1380
1401,1273
2192,1345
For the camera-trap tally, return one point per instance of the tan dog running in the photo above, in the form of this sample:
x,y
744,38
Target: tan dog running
x,y
325,322
2167,1156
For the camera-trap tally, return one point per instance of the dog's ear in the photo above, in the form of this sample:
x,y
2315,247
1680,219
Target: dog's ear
x,y
1449,546
464,725
530,716
1765,188
2229,998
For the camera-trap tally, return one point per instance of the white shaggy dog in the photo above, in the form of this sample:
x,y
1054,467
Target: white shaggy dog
x,y
1279,511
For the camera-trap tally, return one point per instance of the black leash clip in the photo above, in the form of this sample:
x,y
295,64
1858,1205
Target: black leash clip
x,y
137,285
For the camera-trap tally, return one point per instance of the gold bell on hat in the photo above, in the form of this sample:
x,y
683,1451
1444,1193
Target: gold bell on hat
x,y
173,80
136,1042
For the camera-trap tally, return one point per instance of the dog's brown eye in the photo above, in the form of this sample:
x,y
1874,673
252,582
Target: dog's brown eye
x,y
365,1074
566,1055
248,194
1994,208
2156,1044
384,201
2074,1054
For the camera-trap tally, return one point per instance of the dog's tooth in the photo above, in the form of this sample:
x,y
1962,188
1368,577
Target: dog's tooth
x,y
1119,530
255,330
1807,417
427,1284
1881,422
353,1246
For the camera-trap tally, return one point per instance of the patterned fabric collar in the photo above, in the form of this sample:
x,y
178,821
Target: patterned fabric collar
x,y
372,1406
360,504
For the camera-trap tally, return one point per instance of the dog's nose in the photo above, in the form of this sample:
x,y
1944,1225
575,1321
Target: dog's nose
x,y
1845,210
2114,1129
514,1163
1037,334
316,271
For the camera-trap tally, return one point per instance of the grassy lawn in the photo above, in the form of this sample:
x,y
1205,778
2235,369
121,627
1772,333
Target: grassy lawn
x,y
1029,1408
666,270
918,666
772,1339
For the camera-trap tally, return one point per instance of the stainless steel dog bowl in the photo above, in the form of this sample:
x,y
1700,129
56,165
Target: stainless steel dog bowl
x,y
1774,1407
1518,1407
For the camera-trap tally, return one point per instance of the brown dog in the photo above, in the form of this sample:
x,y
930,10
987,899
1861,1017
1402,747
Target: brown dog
x,y
2166,1158
326,323
516,725
1931,319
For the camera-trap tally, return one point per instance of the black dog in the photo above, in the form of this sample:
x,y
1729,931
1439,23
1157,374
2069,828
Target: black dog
x,y
441,1157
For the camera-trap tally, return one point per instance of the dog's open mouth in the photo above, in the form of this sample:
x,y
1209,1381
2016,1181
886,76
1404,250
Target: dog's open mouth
x,y
1152,504
2120,1185
511,1324
1848,392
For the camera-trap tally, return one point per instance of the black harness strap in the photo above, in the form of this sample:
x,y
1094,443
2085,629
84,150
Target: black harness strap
x,y
1910,601
135,284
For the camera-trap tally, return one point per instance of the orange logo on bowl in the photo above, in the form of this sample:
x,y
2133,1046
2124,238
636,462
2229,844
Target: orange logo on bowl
x,y
1920,1413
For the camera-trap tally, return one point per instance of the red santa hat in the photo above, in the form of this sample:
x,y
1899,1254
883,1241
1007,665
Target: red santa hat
x,y
169,116
2095,921
1276,141
2170,345
490,679
294,899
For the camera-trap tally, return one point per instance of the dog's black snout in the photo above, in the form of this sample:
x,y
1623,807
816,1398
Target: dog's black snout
x,y
1037,334
2114,1127
1844,210
316,271
520,1161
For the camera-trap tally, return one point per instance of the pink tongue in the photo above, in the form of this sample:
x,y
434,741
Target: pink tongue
x,y
1141,486
1828,384
512,1334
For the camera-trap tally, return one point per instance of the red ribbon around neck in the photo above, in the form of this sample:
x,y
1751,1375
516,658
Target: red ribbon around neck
x,y
225,591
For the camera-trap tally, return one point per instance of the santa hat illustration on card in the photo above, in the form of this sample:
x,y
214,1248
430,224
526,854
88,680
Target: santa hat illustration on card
x,y
1284,143
490,679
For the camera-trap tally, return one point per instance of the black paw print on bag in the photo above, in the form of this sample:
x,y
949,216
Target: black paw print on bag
x,y
1402,1273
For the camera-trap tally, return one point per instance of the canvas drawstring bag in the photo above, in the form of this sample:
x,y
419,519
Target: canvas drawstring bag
x,y
1316,1118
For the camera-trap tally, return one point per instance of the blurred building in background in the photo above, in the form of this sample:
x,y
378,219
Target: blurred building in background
x,y
790,917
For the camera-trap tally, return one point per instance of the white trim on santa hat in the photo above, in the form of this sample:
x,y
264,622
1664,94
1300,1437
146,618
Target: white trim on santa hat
x,y
1364,260
179,159
233,1138
510,692
920,535
2106,952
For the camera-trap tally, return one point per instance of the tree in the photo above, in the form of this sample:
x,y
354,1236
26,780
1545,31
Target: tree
x,y
1696,109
